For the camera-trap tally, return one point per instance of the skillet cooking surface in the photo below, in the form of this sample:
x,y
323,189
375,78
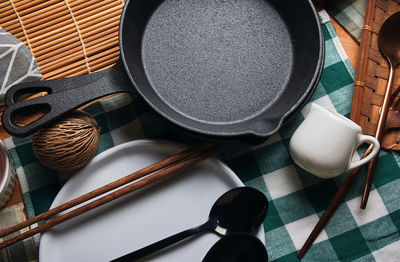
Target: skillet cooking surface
x,y
217,61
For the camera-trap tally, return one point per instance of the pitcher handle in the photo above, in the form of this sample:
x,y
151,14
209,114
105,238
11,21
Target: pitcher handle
x,y
376,146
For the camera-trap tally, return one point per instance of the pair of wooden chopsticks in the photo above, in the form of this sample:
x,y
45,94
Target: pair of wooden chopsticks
x,y
148,174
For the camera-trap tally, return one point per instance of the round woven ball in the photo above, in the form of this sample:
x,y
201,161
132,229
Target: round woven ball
x,y
68,144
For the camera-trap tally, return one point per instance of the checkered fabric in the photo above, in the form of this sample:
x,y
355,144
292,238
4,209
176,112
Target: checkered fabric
x,y
349,13
296,198
21,251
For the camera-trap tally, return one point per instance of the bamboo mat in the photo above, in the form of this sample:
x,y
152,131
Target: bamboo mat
x,y
372,74
67,38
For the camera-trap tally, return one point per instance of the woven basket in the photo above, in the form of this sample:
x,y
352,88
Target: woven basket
x,y
67,38
372,74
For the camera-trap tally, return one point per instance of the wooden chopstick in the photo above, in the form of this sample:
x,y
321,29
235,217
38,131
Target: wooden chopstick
x,y
170,166
333,205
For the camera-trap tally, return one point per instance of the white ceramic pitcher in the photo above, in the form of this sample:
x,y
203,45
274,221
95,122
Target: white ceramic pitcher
x,y
325,142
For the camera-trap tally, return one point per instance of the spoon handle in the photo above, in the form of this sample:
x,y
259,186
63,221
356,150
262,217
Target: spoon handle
x,y
135,255
379,136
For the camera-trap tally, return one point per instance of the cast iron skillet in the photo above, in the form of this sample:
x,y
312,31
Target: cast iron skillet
x,y
220,68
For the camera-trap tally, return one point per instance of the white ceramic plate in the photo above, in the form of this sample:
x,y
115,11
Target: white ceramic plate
x,y
143,217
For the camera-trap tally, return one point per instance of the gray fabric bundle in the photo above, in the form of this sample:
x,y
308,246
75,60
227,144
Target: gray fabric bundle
x,y
17,63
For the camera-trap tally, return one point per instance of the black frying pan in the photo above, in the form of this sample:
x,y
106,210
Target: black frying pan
x,y
215,67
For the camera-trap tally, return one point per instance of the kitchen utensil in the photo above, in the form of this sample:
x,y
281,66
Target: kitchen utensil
x,y
167,207
389,45
324,144
372,74
237,247
203,65
240,209
170,165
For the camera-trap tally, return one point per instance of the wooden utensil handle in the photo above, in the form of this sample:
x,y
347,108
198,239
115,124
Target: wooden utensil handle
x,y
333,205
326,216
379,136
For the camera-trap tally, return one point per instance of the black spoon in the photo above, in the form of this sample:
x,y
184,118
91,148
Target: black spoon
x,y
237,247
241,209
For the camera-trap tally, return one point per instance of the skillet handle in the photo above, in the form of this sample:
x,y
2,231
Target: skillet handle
x,y
64,95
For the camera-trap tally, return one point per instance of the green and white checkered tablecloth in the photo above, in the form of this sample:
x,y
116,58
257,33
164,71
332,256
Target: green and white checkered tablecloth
x,y
296,198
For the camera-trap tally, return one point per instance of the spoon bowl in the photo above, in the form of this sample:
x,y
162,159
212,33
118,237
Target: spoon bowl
x,y
389,39
237,247
240,209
